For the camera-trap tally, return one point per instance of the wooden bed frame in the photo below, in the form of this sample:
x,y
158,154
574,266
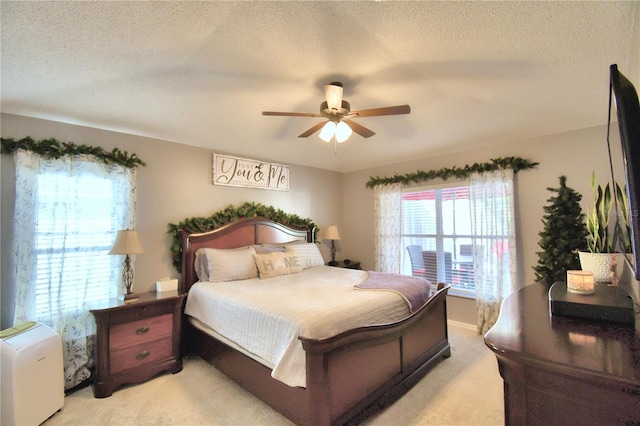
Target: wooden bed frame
x,y
344,373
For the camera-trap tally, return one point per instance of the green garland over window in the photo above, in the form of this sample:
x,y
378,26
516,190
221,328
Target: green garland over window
x,y
227,215
54,149
515,163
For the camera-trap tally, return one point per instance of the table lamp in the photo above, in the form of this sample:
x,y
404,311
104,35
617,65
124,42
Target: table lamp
x,y
127,243
333,235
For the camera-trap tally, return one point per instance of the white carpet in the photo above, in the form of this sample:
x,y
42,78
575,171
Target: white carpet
x,y
465,389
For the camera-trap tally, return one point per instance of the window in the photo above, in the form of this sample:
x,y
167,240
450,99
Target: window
x,y
436,237
74,230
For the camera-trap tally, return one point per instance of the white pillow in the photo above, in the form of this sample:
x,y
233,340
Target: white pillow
x,y
271,247
231,264
277,263
268,248
201,267
308,253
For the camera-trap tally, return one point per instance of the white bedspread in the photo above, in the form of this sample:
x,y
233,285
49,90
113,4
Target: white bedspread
x,y
265,317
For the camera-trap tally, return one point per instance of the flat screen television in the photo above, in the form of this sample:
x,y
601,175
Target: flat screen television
x,y
628,112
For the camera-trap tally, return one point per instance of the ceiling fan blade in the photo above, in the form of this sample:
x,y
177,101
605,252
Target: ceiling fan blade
x,y
312,130
392,110
291,114
361,130
333,93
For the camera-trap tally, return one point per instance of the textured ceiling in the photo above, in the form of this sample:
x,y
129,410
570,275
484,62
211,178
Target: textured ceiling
x,y
201,73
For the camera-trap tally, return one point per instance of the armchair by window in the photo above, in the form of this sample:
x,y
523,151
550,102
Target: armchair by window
x,y
430,262
424,264
417,261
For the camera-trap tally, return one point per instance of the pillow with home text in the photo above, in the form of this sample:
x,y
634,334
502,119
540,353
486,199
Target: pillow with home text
x,y
277,263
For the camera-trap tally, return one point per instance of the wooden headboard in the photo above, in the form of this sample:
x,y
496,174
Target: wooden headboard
x,y
243,232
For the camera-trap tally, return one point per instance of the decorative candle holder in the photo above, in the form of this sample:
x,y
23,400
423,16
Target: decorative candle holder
x,y
580,282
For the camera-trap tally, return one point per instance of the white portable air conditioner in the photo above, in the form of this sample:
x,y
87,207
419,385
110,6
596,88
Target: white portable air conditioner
x,y
32,376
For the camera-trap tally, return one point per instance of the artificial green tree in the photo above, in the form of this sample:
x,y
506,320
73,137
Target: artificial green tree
x,y
564,234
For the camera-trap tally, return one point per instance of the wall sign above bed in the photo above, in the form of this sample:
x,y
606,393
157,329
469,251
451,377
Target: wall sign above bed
x,y
246,173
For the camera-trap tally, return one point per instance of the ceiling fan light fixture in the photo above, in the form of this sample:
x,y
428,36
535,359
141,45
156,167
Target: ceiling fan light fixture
x,y
333,94
343,132
339,125
328,131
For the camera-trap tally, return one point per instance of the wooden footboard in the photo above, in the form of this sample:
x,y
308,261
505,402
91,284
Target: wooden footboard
x,y
347,372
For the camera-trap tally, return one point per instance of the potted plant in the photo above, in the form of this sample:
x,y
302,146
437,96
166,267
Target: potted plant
x,y
606,237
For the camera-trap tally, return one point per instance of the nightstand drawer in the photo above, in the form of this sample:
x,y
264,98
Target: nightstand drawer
x,y
136,311
136,332
139,355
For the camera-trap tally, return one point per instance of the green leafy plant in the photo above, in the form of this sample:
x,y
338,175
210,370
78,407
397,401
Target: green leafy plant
x,y
605,236
514,163
53,149
623,224
564,231
231,214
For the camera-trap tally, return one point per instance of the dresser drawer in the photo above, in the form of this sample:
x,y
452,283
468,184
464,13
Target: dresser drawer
x,y
141,331
137,356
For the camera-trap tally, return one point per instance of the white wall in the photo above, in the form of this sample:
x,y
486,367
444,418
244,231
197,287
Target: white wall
x,y
573,154
175,185
633,70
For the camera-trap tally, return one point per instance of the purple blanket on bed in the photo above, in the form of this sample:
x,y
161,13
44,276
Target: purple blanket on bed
x,y
415,290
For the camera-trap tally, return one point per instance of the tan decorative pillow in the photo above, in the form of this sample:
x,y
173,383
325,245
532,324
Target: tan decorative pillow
x,y
308,253
276,264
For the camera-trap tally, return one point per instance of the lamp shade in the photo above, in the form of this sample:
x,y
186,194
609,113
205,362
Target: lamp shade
x,y
343,131
333,93
328,131
127,242
332,233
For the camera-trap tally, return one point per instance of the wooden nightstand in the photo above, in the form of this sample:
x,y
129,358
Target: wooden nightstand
x,y
354,264
136,340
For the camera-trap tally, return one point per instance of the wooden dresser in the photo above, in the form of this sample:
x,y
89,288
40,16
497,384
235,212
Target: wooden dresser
x,y
136,340
561,370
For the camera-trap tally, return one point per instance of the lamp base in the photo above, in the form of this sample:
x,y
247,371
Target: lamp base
x,y
131,297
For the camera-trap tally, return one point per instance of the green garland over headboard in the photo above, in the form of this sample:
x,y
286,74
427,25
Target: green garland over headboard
x,y
515,163
53,148
227,215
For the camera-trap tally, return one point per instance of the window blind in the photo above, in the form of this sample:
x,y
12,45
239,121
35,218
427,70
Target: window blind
x,y
436,235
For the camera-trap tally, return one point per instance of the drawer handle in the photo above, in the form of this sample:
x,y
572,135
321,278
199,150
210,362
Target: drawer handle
x,y
142,330
142,355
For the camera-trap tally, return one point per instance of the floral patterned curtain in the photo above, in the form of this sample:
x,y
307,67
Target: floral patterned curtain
x,y
67,214
388,226
494,242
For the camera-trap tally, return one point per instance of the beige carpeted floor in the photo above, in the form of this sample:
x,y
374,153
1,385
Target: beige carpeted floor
x,y
465,389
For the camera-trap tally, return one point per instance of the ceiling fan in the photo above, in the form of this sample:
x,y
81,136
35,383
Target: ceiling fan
x,y
339,114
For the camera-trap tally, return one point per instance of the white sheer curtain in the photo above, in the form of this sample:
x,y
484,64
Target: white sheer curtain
x,y
388,222
67,214
494,242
